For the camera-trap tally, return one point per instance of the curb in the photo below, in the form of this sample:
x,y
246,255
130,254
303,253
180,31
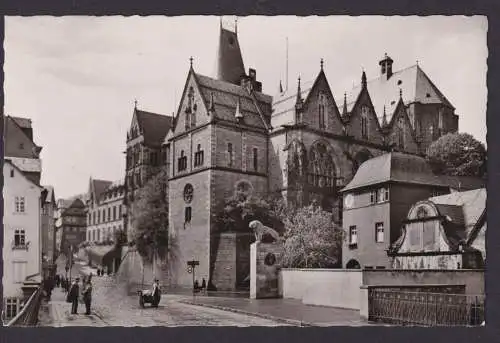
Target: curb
x,y
254,314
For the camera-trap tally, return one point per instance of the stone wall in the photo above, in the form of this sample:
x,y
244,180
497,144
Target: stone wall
x,y
341,287
324,287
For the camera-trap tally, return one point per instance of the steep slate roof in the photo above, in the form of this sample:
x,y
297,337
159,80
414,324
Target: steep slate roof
x,y
413,82
230,66
225,99
153,125
471,204
284,102
24,123
14,131
99,187
396,167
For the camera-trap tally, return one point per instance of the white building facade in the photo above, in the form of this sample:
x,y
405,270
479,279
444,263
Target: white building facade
x,y
22,240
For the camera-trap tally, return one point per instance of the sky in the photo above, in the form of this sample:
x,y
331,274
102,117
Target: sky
x,y
77,77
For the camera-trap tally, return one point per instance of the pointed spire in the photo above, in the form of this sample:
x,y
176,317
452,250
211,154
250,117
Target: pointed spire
x,y
321,63
299,92
363,79
344,110
384,118
238,113
236,25
191,62
135,104
401,93
230,67
281,87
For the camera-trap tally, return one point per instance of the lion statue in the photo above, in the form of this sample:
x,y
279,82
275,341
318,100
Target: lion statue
x,y
259,229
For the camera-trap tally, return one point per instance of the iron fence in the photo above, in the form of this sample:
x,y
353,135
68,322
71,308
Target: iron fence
x,y
425,309
28,316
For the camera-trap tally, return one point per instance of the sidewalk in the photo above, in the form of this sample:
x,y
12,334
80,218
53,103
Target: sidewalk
x,y
59,312
290,311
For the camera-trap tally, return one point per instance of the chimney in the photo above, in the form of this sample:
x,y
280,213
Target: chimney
x,y
386,66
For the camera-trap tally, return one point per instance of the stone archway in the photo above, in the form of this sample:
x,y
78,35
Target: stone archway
x,y
353,264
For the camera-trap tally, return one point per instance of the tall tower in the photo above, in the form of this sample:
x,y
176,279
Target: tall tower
x,y
230,66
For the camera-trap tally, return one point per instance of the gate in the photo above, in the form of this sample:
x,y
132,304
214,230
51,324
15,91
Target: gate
x,y
426,309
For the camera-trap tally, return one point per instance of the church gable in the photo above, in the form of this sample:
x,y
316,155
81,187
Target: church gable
x,y
363,123
401,133
134,131
320,109
192,111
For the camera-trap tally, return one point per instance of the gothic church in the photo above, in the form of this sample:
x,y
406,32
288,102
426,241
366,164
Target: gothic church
x,y
229,137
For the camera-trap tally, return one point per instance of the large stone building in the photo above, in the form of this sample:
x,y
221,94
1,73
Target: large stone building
x,y
146,154
49,207
71,224
104,210
228,137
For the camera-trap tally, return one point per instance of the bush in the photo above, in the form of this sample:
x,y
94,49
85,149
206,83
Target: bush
x,y
312,239
457,154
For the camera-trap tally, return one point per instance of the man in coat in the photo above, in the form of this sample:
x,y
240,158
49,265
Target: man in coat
x,y
73,293
87,296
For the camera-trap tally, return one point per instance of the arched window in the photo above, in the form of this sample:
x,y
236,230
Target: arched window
x,y
321,110
364,121
401,135
422,212
321,169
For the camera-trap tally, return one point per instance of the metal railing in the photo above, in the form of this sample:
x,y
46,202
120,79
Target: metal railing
x,y
28,316
425,309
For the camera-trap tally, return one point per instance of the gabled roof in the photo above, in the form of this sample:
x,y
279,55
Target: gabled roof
x,y
415,85
15,131
471,204
225,99
98,187
153,125
395,167
7,161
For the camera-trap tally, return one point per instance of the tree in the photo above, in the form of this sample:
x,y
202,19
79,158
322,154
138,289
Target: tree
x,y
312,239
457,154
239,211
150,219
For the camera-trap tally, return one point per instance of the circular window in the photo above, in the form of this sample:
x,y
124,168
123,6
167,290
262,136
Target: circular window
x,y
270,259
188,193
243,189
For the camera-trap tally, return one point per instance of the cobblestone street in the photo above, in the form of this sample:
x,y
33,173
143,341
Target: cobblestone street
x,y
112,307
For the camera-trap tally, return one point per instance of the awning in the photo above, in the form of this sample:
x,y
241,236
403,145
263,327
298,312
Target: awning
x,y
101,255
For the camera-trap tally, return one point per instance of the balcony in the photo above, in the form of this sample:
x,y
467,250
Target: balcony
x,y
20,246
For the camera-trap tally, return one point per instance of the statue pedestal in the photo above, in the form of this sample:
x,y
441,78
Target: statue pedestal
x,y
265,262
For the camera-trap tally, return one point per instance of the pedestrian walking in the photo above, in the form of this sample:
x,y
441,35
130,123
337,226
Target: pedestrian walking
x,y
203,286
72,297
87,296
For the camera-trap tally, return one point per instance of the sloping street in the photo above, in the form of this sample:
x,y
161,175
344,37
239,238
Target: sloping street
x,y
112,307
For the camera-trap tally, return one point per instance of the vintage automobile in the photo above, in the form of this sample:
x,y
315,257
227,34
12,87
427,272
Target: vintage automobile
x,y
146,297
